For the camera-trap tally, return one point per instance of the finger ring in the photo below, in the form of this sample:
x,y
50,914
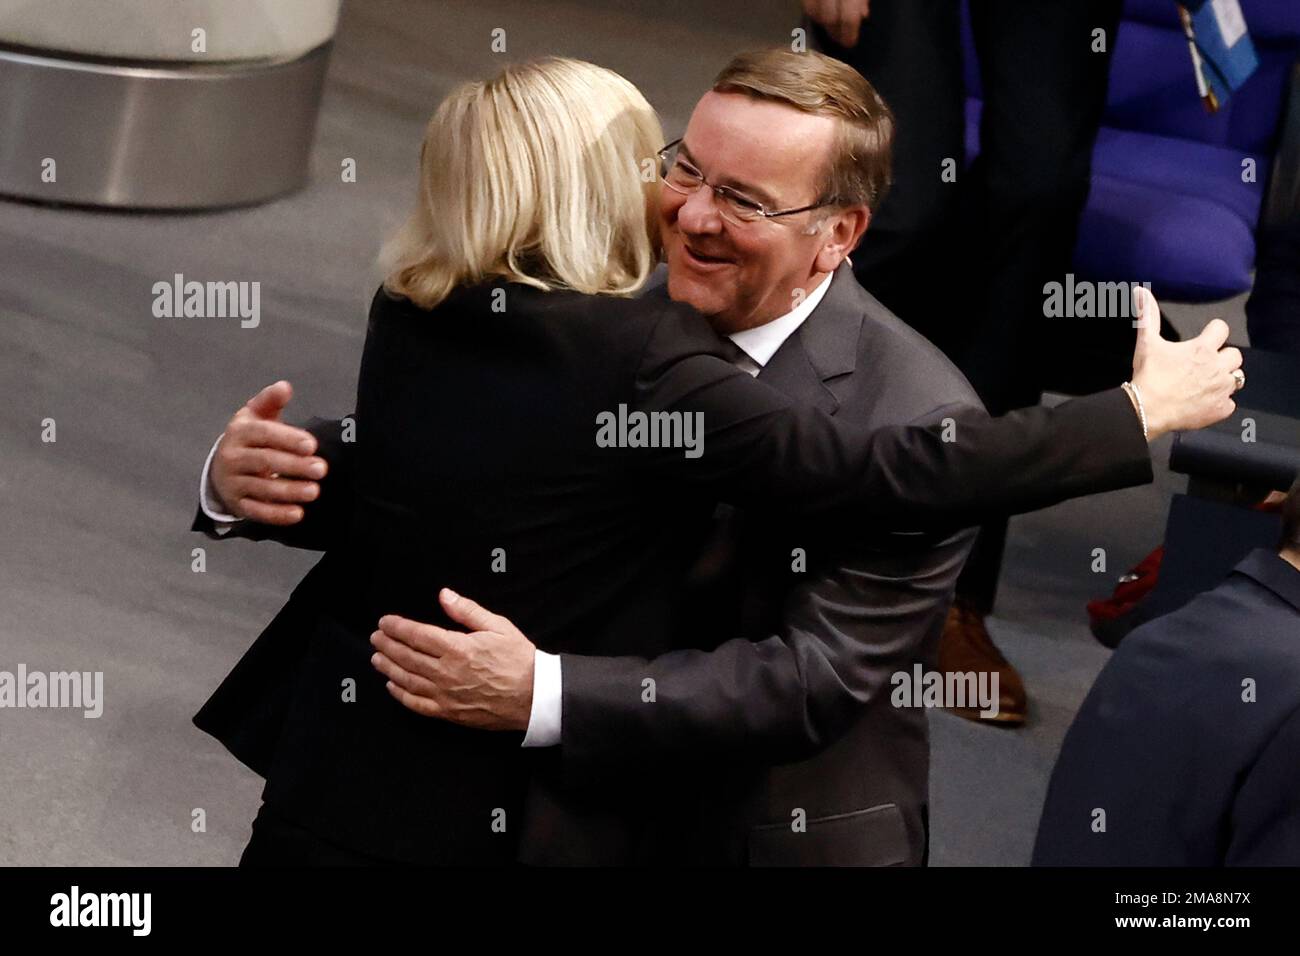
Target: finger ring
x,y
1239,377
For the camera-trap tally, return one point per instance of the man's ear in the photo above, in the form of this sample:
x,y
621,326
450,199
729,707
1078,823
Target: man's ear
x,y
841,233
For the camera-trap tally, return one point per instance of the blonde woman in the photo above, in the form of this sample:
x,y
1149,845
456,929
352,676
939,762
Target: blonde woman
x,y
528,433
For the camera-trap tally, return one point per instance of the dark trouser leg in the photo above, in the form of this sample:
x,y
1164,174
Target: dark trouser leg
x,y
1273,309
910,50
978,582
1044,90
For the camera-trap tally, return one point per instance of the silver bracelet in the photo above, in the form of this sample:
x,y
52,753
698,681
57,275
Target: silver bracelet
x,y
1142,410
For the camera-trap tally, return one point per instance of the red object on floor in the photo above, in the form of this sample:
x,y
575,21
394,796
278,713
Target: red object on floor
x,y
1131,589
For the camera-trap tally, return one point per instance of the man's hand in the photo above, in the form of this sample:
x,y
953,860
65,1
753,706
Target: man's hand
x,y
264,468
1184,385
840,18
483,679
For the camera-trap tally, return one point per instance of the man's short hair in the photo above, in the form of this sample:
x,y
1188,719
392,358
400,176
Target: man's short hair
x,y
814,83
1291,519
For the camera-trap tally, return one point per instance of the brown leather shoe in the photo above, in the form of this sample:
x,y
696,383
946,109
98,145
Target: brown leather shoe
x,y
967,648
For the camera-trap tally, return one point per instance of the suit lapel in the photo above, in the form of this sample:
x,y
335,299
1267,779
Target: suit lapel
x,y
791,372
813,364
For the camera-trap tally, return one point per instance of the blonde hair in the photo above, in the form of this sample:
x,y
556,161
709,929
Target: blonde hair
x,y
814,83
535,176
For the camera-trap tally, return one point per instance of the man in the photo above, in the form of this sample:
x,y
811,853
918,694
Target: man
x,y
793,641
1004,227
1185,751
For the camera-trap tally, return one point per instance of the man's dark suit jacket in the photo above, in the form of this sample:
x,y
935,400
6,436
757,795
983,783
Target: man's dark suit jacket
x,y
823,629
1189,742
476,432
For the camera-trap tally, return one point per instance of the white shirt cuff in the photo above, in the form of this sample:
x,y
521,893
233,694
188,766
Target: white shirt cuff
x,y
544,718
208,496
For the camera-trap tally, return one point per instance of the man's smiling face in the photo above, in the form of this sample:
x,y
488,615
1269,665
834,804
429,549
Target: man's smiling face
x,y
742,276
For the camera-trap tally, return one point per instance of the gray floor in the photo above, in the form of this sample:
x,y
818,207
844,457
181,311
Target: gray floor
x,y
96,565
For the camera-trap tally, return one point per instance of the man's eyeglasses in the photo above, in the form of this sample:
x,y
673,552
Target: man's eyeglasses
x,y
680,176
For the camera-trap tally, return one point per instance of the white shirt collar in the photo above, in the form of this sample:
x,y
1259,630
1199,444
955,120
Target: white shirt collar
x,y
761,342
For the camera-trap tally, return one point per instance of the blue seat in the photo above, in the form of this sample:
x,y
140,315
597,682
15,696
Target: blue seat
x,y
1177,192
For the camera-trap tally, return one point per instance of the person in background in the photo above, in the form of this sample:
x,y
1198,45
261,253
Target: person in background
x,y
1273,309
996,232
1185,751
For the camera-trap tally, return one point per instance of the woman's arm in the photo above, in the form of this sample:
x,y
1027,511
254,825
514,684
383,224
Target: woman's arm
x,y
752,445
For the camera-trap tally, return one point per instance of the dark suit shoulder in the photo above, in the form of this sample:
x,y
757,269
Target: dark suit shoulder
x,y
1209,682
899,375
1173,725
1239,626
606,337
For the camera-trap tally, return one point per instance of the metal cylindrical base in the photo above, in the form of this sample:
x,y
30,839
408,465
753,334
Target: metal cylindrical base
x,y
156,136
